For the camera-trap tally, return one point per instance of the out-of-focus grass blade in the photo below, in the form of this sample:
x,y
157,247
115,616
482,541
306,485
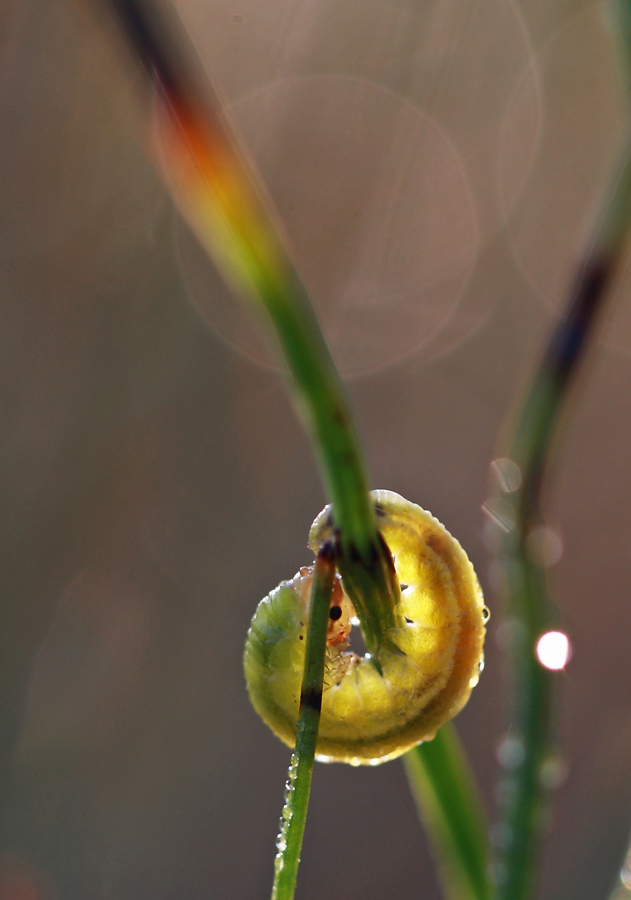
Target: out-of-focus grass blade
x,y
530,610
451,810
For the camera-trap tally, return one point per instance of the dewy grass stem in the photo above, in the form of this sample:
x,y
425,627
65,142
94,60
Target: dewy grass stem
x,y
530,611
301,768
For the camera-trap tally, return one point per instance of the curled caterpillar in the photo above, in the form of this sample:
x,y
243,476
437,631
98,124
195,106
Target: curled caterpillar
x,y
369,717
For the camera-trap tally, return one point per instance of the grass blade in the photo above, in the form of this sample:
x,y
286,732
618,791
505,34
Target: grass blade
x,y
218,194
530,745
451,810
298,785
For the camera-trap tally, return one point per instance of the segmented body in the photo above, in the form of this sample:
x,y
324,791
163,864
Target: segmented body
x,y
368,716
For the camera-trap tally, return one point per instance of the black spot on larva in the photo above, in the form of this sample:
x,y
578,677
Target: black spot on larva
x,y
404,587
335,613
312,699
327,553
409,621
301,637
381,513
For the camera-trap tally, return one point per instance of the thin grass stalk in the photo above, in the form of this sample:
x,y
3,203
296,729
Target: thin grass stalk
x,y
217,193
450,807
530,745
298,785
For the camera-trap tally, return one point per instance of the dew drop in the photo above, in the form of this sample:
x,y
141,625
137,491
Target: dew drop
x,y
491,537
553,772
501,513
511,752
507,474
544,546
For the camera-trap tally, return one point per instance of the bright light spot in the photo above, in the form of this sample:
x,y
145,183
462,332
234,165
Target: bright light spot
x,y
545,546
553,650
354,620
507,473
501,512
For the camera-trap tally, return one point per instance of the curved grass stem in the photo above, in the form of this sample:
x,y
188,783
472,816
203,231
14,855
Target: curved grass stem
x,y
529,607
217,193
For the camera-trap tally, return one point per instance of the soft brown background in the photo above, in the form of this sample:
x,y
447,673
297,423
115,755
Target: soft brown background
x,y
436,165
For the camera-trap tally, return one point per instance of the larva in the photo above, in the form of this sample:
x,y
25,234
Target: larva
x,y
337,660
368,717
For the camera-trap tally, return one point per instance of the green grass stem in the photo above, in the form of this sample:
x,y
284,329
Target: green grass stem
x,y
298,785
530,610
450,807
222,201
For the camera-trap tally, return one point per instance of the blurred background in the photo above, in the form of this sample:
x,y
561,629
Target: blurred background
x,y
436,165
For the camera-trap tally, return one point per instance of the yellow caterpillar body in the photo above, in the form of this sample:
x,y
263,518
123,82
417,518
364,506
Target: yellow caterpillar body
x,y
369,717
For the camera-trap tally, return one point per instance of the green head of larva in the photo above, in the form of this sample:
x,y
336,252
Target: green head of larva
x,y
426,674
